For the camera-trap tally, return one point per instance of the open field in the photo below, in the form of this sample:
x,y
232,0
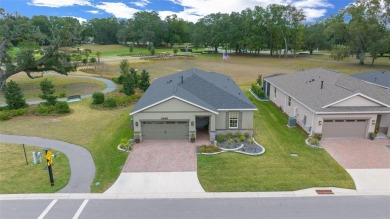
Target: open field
x,y
17,177
276,170
98,131
244,69
62,84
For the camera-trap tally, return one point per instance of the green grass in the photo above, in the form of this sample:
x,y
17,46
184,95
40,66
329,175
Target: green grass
x,y
17,177
276,170
68,85
99,131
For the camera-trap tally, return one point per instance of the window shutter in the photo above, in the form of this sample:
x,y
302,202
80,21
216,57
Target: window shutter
x,y
240,120
227,120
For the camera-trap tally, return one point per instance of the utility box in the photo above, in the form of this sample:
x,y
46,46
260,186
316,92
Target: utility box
x,y
39,157
34,155
292,122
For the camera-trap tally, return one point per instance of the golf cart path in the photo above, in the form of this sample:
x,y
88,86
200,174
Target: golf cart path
x,y
82,166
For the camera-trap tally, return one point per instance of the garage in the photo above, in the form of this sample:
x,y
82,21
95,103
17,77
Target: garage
x,y
164,130
344,128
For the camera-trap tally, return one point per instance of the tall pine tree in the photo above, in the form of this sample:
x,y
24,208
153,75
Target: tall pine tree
x,y
14,96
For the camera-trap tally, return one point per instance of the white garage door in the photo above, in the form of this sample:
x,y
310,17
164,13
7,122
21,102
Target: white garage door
x,y
340,128
167,130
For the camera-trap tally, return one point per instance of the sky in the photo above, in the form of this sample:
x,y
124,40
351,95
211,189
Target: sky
x,y
190,10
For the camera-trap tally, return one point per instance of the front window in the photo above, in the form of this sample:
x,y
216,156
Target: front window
x,y
233,120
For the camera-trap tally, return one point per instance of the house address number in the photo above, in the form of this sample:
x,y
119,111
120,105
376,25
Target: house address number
x,y
164,118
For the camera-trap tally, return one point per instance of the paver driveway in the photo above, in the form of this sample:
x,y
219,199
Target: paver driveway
x,y
155,167
359,153
162,156
368,162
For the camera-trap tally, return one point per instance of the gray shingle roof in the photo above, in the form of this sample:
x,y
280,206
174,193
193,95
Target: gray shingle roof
x,y
381,78
305,86
209,90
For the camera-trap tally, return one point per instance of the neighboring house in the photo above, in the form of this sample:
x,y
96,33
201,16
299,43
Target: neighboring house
x,y
331,103
379,78
178,105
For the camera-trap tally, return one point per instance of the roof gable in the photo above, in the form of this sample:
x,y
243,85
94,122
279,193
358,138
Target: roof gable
x,y
356,100
166,102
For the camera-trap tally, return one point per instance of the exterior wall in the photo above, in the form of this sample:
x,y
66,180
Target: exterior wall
x,y
173,109
385,123
357,101
296,110
245,122
178,110
313,121
319,119
183,116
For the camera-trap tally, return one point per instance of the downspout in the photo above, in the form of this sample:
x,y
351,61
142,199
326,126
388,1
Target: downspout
x,y
312,125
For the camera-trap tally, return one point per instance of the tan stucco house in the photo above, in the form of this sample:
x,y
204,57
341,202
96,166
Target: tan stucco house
x,y
330,103
177,106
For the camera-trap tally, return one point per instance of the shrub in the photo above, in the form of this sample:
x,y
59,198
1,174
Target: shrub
x,y
43,109
242,138
258,91
115,80
221,138
175,50
4,115
317,136
313,141
62,107
92,60
110,103
152,51
84,61
144,81
97,98
209,149
126,100
62,95
229,135
247,134
237,134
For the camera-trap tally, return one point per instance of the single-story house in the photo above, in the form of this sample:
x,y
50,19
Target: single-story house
x,y
379,78
176,106
330,103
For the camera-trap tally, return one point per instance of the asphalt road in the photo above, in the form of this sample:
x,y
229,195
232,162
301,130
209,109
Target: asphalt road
x,y
292,207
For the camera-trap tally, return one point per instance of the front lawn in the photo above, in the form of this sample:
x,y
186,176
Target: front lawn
x,y
276,170
17,177
99,131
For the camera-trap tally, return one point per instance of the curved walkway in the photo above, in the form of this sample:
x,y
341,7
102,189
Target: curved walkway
x,y
82,167
110,86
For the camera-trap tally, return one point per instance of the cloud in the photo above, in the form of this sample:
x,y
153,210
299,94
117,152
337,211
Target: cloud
x,y
81,20
141,3
59,3
118,9
93,11
195,9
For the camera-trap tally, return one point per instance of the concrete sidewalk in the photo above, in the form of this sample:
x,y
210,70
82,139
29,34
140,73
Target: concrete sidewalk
x,y
82,166
156,183
300,193
371,179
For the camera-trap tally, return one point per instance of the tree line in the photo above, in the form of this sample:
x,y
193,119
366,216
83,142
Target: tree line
x,y
359,29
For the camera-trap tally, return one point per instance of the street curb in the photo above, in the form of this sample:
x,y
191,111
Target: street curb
x,y
300,193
